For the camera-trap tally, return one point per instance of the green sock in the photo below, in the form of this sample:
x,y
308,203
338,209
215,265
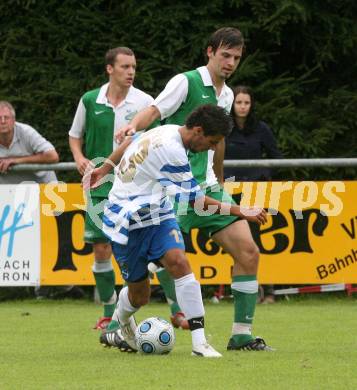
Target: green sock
x,y
241,339
108,309
105,282
113,325
245,291
168,285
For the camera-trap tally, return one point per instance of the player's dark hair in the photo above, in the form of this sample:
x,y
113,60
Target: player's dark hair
x,y
226,37
251,121
214,120
111,54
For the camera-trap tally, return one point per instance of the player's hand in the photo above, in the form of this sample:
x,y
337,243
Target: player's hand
x,y
254,214
120,134
82,164
92,178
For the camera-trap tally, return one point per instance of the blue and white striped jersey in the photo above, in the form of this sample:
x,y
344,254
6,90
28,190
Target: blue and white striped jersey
x,y
154,168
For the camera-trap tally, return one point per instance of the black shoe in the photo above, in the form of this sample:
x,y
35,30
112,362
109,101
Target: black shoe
x,y
114,339
257,344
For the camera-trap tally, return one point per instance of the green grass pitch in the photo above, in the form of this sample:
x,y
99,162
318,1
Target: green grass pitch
x,y
50,345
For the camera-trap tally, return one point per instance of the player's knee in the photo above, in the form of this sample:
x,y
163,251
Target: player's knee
x,y
142,300
252,254
139,299
178,265
102,251
249,258
255,252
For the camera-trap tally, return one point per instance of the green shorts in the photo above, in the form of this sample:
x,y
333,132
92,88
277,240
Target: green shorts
x,y
93,221
208,224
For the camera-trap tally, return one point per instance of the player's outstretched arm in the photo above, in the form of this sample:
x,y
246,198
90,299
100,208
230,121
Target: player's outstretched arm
x,y
218,159
92,177
141,120
251,214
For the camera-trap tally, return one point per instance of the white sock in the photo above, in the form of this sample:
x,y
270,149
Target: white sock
x,y
115,316
189,297
198,336
241,328
124,309
102,265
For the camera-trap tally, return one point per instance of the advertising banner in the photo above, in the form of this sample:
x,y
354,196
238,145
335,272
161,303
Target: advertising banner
x,y
310,236
19,235
66,258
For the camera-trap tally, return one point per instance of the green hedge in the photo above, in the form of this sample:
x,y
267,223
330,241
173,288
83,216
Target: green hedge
x,y
300,59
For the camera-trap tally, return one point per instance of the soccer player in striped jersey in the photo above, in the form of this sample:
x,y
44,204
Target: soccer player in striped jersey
x,y
140,220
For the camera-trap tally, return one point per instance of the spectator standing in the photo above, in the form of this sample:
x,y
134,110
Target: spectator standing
x,y
250,139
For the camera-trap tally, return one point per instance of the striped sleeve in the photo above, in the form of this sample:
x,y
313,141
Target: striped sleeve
x,y
179,182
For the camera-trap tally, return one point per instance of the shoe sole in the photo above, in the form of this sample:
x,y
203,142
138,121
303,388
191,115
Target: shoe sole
x,y
121,348
199,354
268,349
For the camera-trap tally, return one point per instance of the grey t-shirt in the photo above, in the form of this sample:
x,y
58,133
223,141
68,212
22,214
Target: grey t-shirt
x,y
26,141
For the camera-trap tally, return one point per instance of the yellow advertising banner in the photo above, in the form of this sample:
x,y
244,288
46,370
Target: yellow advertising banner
x,y
66,258
310,236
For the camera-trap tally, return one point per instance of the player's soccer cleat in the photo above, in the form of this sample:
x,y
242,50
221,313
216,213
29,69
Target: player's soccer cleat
x,y
115,339
102,323
128,333
205,350
178,320
257,344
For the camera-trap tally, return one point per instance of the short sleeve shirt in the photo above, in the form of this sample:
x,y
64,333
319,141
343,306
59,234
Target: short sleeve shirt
x,y
135,101
153,169
175,93
26,142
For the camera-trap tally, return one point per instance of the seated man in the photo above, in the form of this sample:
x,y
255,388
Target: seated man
x,y
21,144
140,219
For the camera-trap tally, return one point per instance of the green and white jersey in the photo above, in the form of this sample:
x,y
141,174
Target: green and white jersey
x,y
96,120
182,94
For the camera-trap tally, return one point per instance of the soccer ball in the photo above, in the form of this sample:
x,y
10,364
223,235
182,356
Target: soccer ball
x,y
155,336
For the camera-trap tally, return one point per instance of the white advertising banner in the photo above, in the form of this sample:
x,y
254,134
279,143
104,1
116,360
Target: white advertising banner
x,y
20,244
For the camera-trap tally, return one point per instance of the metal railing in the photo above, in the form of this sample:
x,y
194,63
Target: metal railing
x,y
292,163
264,163
64,166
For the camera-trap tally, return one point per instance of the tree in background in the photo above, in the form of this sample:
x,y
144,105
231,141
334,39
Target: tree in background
x,y
300,59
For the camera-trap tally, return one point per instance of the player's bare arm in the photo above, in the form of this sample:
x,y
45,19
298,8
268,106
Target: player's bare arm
x,y
141,120
218,160
81,161
93,177
251,214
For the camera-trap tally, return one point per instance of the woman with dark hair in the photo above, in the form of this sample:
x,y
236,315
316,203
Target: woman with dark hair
x,y
250,139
